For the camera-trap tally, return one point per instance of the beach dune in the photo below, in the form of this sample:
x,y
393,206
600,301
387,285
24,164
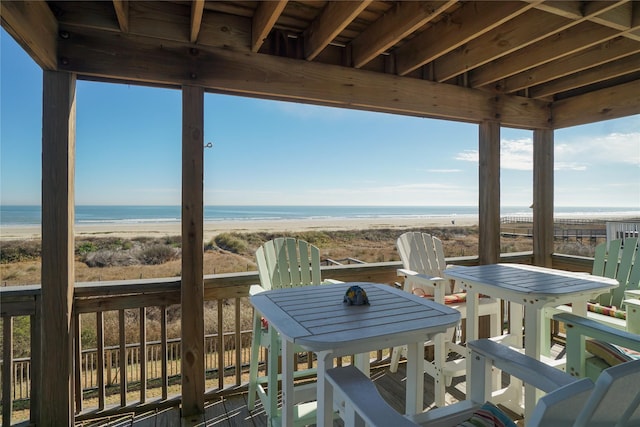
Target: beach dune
x,y
212,228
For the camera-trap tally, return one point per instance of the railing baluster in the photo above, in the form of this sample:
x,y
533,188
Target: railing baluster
x,y
78,364
163,344
7,370
36,328
220,347
238,344
143,355
100,362
123,359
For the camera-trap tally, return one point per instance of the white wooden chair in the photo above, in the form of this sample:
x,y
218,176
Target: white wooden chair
x,y
423,262
618,259
570,401
284,262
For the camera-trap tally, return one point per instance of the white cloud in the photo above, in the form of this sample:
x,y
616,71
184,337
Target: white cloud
x,y
444,170
578,155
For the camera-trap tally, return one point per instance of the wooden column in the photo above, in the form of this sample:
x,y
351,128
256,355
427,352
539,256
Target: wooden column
x,y
58,157
489,193
542,197
192,289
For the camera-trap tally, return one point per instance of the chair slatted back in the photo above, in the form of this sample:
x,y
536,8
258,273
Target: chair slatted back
x,y
422,253
615,400
621,262
286,262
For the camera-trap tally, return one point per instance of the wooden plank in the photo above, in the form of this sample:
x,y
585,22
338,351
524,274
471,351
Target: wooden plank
x,y
192,288
489,192
77,354
36,363
100,349
197,7
335,17
566,66
226,71
542,197
143,355
34,27
264,19
164,348
58,158
605,104
620,67
122,362
515,34
448,34
564,43
122,13
401,20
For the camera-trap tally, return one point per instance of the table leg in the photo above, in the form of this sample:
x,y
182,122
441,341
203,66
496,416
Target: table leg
x,y
533,348
324,413
472,326
288,398
272,376
415,378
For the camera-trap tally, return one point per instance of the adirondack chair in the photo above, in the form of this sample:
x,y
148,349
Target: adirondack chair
x,y
423,260
570,401
619,308
282,263
608,346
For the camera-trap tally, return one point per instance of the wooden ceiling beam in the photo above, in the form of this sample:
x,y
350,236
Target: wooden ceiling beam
x,y
122,13
583,60
621,67
449,34
522,31
403,19
197,8
34,27
571,40
618,18
515,34
604,104
108,56
264,19
335,17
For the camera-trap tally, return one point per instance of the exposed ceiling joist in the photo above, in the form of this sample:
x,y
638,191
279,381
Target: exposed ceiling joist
x,y
334,18
197,8
36,29
403,19
266,16
122,13
449,33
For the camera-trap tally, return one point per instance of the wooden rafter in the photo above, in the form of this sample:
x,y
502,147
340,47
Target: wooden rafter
x,y
449,34
334,18
620,67
572,40
197,7
583,60
122,13
36,29
265,17
402,20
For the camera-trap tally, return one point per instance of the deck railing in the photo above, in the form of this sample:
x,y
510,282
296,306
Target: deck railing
x,y
129,312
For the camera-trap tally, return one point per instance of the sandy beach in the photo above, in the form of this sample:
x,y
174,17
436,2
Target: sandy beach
x,y
212,228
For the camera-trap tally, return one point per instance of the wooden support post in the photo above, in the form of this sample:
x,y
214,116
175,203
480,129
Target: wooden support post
x,y
192,288
489,192
58,157
542,197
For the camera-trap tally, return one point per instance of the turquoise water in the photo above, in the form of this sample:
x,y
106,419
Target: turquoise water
x,y
31,215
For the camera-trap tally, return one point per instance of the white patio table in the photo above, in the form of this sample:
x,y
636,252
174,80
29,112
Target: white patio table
x,y
315,318
532,289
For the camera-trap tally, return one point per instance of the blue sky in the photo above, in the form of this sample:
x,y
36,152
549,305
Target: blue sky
x,y
275,153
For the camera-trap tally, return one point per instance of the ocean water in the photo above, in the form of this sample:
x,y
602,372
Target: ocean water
x,y
31,215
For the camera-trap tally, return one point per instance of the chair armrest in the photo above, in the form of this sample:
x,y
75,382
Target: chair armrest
x,y
331,281
417,276
577,328
590,328
632,294
511,361
362,399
